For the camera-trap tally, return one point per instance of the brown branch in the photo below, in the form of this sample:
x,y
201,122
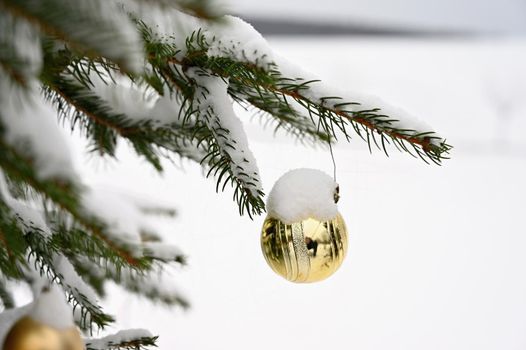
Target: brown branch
x,y
16,76
122,131
424,142
94,117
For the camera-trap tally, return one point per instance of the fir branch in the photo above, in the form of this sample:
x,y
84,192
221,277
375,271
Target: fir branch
x,y
153,292
371,121
124,250
230,156
75,101
280,111
103,126
12,243
75,241
92,276
44,257
20,169
20,54
82,107
79,104
162,57
247,191
147,284
151,209
5,295
128,339
327,114
63,194
95,28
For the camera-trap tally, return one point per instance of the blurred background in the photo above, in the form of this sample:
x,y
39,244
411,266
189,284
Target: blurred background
x,y
384,17
437,254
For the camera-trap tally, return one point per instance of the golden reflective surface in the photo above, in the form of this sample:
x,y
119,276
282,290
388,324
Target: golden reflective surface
x,y
28,334
306,251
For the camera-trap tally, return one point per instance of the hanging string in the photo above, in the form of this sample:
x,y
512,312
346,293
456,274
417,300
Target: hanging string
x,y
326,129
337,189
333,161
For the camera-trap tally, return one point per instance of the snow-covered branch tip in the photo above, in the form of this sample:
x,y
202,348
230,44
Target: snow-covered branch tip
x,y
126,339
232,157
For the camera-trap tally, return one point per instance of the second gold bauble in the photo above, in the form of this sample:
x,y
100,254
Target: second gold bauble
x,y
305,251
28,334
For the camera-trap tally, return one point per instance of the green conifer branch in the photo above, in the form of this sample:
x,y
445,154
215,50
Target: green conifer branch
x,y
6,296
133,281
75,241
248,81
280,110
44,256
71,23
328,115
134,344
63,194
18,64
12,243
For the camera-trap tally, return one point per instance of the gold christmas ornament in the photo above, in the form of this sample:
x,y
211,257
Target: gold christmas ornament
x,y
28,334
305,251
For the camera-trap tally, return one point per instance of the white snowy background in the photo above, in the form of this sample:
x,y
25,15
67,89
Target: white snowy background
x,y
437,254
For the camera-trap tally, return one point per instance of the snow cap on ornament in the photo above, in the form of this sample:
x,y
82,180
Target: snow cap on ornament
x,y
45,324
52,309
301,194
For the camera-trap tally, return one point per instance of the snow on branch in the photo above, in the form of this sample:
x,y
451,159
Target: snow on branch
x,y
8,301
155,284
232,157
20,51
29,126
76,286
238,53
368,115
27,217
121,219
106,104
163,251
125,222
94,27
126,339
46,260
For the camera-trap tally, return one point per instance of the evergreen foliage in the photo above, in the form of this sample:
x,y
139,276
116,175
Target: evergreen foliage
x,y
58,53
